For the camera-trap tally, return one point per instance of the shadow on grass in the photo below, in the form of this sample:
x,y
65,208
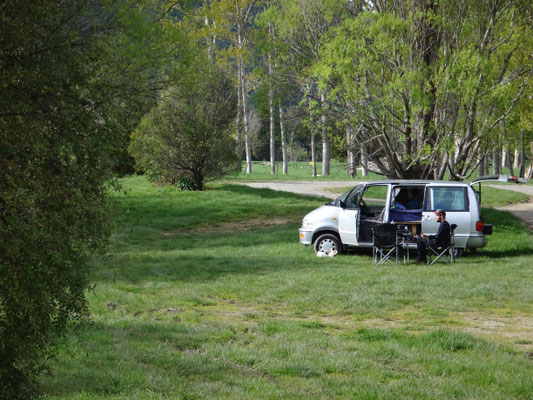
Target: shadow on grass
x,y
509,239
497,254
236,237
202,267
268,193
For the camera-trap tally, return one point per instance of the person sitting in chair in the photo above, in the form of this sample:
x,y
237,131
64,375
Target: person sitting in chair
x,y
441,239
400,201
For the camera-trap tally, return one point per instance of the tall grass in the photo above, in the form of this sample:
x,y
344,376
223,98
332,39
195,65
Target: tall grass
x,y
191,303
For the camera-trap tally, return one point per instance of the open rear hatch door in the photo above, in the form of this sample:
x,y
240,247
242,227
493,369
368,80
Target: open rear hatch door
x,y
495,178
487,229
498,178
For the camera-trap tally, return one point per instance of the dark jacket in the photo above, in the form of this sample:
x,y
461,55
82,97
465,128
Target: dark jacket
x,y
442,238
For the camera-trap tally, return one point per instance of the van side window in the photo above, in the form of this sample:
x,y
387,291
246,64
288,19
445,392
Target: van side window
x,y
406,203
407,197
446,198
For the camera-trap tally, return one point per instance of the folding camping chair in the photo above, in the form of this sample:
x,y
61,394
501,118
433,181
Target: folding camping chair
x,y
384,243
445,253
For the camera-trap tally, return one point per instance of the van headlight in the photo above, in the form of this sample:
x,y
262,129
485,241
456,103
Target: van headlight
x,y
306,224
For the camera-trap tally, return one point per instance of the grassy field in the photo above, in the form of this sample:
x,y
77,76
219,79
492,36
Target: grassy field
x,y
210,296
298,171
304,171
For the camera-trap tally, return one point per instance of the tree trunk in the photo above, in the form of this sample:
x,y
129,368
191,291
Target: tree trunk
x,y
509,163
244,103
350,156
271,111
313,149
528,174
325,139
198,180
496,162
504,158
247,144
211,43
238,122
516,159
481,166
283,141
364,161
242,78
522,156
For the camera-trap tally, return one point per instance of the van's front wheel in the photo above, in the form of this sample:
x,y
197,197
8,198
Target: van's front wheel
x,y
327,242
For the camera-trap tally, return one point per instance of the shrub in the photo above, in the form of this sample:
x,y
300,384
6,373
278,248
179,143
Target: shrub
x,y
185,183
62,101
191,131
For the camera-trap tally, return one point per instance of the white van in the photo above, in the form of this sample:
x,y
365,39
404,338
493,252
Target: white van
x,y
348,220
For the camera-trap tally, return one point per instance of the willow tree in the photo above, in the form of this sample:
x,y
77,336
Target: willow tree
x,y
425,84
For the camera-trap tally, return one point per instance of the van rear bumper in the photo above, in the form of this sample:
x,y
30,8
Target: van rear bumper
x,y
476,241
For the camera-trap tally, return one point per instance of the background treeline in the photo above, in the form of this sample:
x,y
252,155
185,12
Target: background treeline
x,y
409,89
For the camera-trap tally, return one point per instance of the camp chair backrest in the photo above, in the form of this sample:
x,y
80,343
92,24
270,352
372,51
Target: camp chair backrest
x,y
384,235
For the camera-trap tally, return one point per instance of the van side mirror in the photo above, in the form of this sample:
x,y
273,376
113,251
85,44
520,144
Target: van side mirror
x,y
342,204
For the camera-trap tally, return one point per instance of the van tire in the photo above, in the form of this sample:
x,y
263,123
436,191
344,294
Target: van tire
x,y
328,242
458,252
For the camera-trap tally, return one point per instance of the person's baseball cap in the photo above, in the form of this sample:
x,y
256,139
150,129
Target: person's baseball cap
x,y
440,212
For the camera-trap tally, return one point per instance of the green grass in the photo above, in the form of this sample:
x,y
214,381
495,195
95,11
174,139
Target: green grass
x,y
298,171
189,304
304,171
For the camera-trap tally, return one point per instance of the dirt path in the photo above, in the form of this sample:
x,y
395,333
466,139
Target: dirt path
x,y
523,211
309,188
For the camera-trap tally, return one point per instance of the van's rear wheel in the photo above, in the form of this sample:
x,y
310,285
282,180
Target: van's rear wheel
x,y
327,242
458,252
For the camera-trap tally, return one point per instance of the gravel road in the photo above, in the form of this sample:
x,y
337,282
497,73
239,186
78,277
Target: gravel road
x,y
523,211
309,188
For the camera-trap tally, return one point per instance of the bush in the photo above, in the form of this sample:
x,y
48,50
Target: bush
x,y
191,131
185,183
60,110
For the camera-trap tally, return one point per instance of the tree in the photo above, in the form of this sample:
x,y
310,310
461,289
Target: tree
x,y
189,132
426,84
232,22
302,25
68,71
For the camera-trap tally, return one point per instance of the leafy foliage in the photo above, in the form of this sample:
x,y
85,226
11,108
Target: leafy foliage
x,y
189,132
185,183
69,72
427,85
